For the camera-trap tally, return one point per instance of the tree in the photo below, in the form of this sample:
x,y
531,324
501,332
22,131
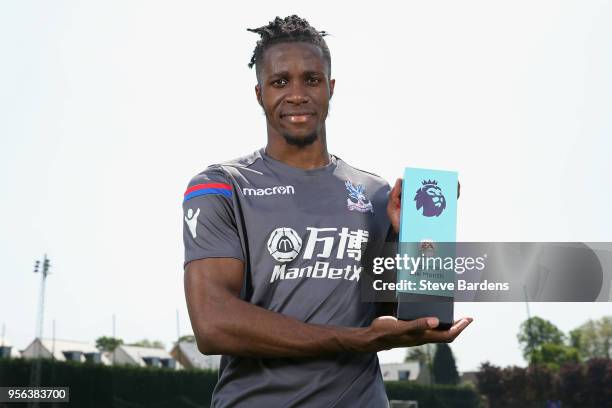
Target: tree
x,y
424,355
597,382
491,384
584,385
554,355
109,344
535,332
444,366
541,383
148,343
187,339
514,381
572,384
593,339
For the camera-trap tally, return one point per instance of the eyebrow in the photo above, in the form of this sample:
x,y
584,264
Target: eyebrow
x,y
286,73
280,74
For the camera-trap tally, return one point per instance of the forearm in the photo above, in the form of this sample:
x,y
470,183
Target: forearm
x,y
240,328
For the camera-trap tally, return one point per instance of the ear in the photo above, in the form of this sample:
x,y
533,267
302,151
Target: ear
x,y
258,95
332,84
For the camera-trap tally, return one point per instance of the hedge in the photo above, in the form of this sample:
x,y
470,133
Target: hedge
x,y
96,385
433,396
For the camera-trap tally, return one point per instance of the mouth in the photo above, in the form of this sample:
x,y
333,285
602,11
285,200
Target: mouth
x,y
297,117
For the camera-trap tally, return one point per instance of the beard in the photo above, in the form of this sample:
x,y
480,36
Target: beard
x,y
293,140
301,141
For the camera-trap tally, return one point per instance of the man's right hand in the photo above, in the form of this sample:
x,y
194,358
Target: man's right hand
x,y
387,332
223,323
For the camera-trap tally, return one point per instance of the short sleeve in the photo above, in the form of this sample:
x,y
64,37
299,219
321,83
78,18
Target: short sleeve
x,y
209,221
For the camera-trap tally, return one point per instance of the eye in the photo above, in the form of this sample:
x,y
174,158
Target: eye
x,y
279,82
313,81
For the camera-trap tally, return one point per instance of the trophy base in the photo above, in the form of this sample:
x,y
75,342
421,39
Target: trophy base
x,y
414,306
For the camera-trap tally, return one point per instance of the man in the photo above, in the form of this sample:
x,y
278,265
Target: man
x,y
274,248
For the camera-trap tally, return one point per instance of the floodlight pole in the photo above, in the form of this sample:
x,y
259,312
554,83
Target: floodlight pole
x,y
529,322
526,301
35,374
46,265
114,338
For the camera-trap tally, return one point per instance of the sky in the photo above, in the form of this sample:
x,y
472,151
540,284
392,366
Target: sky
x,y
107,109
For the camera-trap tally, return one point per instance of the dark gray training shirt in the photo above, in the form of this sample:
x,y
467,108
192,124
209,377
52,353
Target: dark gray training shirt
x,y
303,235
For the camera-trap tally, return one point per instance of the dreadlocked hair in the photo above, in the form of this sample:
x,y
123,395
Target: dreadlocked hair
x,y
288,29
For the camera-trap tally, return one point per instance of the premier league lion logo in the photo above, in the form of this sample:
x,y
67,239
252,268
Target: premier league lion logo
x,y
430,198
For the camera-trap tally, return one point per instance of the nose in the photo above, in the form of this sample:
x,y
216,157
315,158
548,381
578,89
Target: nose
x,y
297,94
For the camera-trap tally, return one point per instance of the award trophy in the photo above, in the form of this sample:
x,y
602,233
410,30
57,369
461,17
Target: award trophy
x,y
428,228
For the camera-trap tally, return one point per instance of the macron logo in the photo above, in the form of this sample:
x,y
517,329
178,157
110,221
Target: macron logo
x,y
276,190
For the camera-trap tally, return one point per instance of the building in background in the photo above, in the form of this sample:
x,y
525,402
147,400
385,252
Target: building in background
x,y
143,357
468,377
65,350
188,355
408,371
7,350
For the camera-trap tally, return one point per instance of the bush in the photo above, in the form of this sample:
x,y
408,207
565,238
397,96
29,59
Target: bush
x,y
96,385
433,396
587,385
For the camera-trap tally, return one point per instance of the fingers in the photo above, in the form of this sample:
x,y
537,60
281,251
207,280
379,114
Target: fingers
x,y
398,188
418,325
396,191
449,335
463,318
401,333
